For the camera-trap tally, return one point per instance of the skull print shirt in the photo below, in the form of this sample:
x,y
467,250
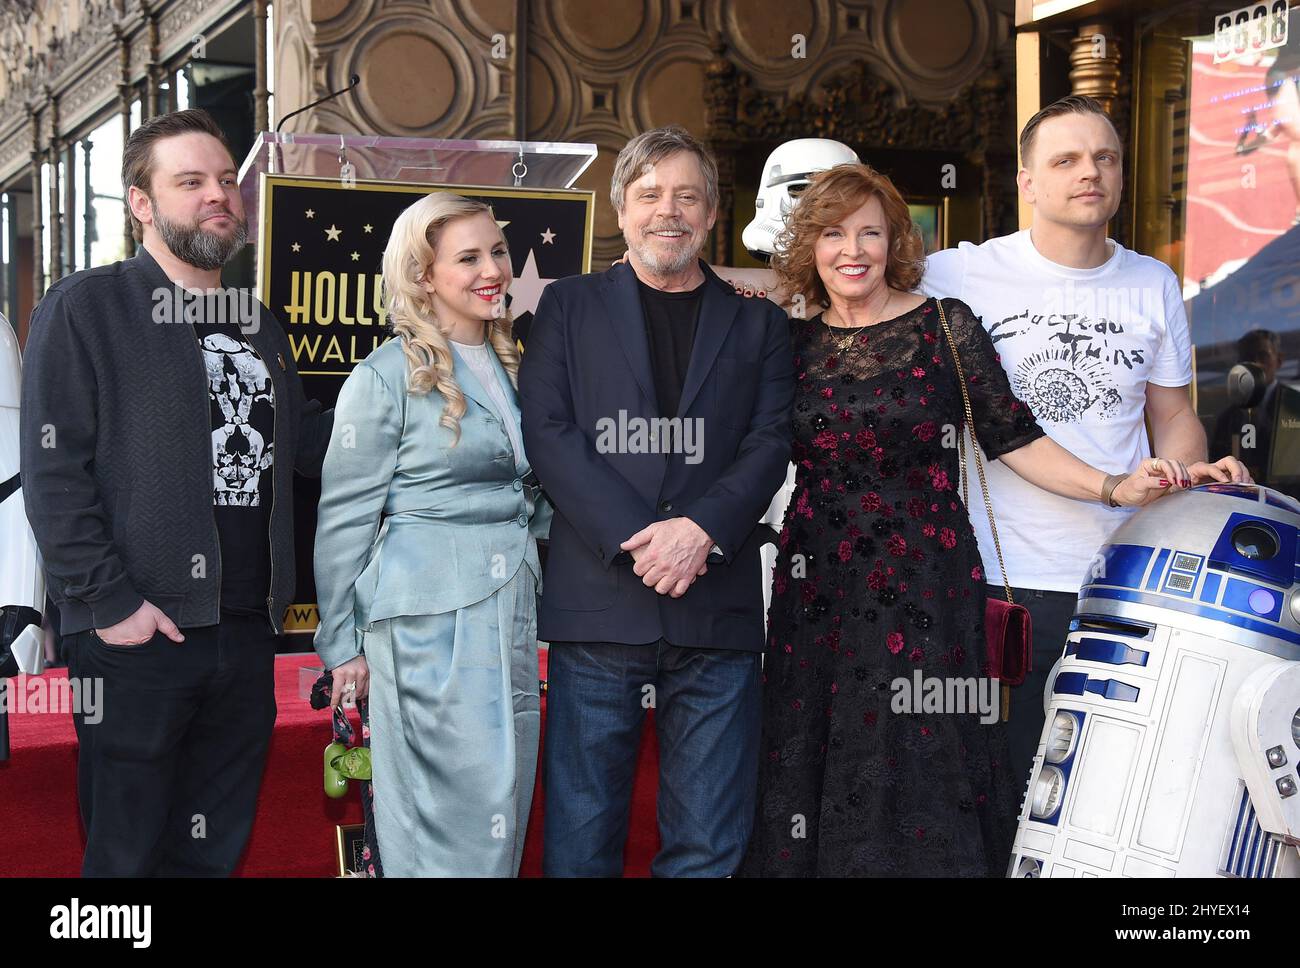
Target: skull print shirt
x,y
243,447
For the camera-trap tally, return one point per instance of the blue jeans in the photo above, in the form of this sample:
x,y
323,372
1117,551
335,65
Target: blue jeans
x,y
707,713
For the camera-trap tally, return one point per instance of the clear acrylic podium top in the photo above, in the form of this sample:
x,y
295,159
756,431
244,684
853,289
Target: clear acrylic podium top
x,y
432,161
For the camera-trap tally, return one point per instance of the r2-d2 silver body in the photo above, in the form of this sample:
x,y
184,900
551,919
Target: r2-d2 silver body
x,y
1173,717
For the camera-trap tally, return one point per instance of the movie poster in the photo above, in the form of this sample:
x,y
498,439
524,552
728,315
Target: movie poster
x,y
1241,257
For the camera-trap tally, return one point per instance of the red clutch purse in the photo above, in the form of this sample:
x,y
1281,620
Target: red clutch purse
x,y
1008,629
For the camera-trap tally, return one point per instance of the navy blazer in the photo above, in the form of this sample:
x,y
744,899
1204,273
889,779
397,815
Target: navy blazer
x,y
587,360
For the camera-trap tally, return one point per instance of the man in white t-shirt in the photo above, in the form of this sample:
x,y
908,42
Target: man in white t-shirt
x,y
1094,339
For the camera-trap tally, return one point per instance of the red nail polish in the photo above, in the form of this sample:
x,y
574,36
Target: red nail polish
x,y
1164,483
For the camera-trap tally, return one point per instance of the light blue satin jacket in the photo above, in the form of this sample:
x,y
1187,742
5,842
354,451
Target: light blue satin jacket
x,y
408,524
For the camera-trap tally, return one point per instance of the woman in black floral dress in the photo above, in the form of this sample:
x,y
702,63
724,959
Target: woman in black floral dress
x,y
878,572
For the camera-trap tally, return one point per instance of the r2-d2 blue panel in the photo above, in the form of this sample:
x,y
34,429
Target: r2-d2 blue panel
x,y
1172,738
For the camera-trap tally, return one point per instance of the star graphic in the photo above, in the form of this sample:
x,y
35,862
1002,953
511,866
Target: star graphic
x,y
548,237
296,247
356,256
311,213
367,228
333,232
527,288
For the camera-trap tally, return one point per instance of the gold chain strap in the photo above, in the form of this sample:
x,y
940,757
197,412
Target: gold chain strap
x,y
961,444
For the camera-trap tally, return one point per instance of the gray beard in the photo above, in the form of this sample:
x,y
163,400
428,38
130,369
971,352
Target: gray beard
x,y
646,256
195,247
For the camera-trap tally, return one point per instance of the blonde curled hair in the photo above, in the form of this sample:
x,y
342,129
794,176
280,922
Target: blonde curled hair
x,y
407,258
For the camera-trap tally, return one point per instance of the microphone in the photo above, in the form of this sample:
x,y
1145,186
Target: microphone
x,y
353,81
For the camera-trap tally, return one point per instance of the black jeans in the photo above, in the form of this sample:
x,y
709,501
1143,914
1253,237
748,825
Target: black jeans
x,y
1050,613
170,764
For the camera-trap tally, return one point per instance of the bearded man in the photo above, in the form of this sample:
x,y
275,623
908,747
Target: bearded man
x,y
159,436
656,409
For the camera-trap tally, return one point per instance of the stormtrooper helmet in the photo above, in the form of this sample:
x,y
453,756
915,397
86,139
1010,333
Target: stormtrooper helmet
x,y
787,172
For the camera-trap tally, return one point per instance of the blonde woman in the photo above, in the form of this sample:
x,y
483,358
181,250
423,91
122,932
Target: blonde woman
x,y
426,561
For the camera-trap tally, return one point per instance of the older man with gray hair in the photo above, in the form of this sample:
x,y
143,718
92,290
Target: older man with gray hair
x,y
652,586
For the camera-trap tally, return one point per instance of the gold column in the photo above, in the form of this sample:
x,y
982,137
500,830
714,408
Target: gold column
x,y
1029,100
1160,87
1094,64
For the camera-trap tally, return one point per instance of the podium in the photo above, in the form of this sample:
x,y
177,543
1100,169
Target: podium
x,y
411,161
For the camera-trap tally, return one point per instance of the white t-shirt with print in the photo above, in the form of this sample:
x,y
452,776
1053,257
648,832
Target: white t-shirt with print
x,y
1080,347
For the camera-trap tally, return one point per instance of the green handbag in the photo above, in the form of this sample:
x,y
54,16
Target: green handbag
x,y
343,762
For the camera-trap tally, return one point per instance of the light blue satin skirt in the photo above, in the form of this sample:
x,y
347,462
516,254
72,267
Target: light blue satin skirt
x,y
454,721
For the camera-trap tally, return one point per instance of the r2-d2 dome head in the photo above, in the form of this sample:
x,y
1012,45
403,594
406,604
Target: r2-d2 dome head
x,y
787,172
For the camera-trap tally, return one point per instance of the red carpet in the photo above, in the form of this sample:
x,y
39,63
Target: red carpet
x,y
293,835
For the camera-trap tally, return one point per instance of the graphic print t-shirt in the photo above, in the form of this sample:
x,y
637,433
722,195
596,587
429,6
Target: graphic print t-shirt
x,y
243,446
1080,347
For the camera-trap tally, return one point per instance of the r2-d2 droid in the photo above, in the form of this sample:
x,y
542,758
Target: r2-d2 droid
x,y
1173,717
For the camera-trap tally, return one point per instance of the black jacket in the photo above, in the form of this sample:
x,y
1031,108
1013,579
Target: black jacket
x,y
587,369
116,450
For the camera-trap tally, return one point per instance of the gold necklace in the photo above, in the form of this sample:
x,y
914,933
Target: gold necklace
x,y
842,343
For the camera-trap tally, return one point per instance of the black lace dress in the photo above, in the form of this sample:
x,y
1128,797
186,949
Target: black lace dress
x,y
879,575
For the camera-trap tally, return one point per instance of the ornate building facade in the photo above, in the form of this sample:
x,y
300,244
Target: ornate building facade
x,y
742,73
930,91
914,86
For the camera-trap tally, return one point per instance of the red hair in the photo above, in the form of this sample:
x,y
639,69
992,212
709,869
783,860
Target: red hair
x,y
830,197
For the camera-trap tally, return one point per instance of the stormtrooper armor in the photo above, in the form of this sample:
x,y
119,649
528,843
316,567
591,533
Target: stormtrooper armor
x,y
22,581
785,175
1172,737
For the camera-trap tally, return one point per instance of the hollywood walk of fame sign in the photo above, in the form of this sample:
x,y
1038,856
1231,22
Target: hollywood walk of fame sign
x,y
321,252
319,269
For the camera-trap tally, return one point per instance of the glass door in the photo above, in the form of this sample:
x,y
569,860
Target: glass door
x,y
1235,180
